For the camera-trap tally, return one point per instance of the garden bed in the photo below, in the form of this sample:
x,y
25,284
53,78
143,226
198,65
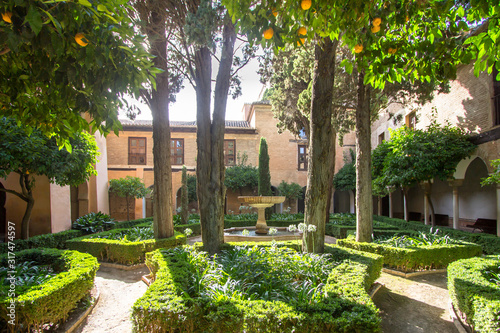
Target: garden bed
x,y
474,287
120,245
48,302
262,289
417,258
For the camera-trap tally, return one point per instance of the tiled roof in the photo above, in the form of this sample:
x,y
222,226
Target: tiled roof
x,y
149,123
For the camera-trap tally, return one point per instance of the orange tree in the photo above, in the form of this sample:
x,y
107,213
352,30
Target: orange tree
x,y
393,41
60,60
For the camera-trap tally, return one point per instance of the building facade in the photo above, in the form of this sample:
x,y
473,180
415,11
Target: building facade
x,y
472,104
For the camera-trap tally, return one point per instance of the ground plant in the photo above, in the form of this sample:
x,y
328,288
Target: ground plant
x,y
271,287
93,222
252,273
421,239
135,234
27,274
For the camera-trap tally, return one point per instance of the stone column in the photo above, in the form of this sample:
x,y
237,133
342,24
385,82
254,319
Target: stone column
x,y
455,184
426,186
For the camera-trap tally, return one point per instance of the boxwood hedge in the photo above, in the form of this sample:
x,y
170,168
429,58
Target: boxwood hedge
x,y
166,307
51,301
473,294
489,243
57,240
122,252
416,258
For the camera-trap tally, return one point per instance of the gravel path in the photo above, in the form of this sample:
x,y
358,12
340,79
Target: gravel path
x,y
415,305
119,289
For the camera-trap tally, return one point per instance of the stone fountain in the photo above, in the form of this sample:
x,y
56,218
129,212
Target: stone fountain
x,y
261,203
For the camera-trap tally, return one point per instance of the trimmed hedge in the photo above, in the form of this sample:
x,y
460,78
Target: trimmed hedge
x,y
416,258
133,223
472,293
57,240
119,251
165,307
51,301
342,231
489,243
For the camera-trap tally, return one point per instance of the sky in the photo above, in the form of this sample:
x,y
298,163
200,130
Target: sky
x,y
185,106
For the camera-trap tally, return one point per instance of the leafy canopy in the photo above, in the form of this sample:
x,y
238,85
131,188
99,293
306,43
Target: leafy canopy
x,y
53,82
291,191
36,154
345,179
414,155
129,187
494,178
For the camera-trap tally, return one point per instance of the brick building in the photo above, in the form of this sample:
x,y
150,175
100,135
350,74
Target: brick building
x,y
130,153
474,105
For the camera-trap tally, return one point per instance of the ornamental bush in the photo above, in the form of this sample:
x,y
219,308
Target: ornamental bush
x,y
474,294
184,298
489,243
57,240
416,258
51,301
113,245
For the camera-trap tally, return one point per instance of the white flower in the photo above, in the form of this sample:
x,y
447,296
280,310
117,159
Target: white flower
x,y
188,232
273,231
311,228
292,228
302,227
245,232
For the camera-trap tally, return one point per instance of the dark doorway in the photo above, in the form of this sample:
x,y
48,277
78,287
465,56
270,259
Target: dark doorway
x,y
301,204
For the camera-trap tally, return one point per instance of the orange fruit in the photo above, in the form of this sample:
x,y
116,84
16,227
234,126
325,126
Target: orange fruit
x,y
302,31
268,34
358,48
80,39
305,4
275,12
377,21
375,28
7,17
392,50
301,42
407,19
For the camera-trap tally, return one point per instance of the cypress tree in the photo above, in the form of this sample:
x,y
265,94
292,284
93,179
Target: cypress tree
x,y
184,197
264,186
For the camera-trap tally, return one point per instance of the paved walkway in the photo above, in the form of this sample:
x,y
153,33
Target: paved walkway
x,y
119,289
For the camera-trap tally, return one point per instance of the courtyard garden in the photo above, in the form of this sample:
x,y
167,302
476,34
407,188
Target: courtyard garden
x,y
68,69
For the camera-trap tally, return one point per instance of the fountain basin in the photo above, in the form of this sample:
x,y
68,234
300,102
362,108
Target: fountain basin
x,y
261,203
234,235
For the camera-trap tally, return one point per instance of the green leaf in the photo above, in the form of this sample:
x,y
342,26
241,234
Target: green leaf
x,y
85,3
34,19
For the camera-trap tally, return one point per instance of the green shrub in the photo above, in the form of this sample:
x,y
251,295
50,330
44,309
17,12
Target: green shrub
x,y
489,243
121,251
473,294
133,223
93,222
51,301
416,258
57,240
171,303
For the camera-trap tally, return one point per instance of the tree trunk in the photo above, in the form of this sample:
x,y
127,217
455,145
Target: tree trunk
x,y
128,213
25,224
364,201
321,158
162,195
210,170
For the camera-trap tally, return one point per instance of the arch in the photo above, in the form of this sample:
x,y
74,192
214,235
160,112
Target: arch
x,y
463,165
343,201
